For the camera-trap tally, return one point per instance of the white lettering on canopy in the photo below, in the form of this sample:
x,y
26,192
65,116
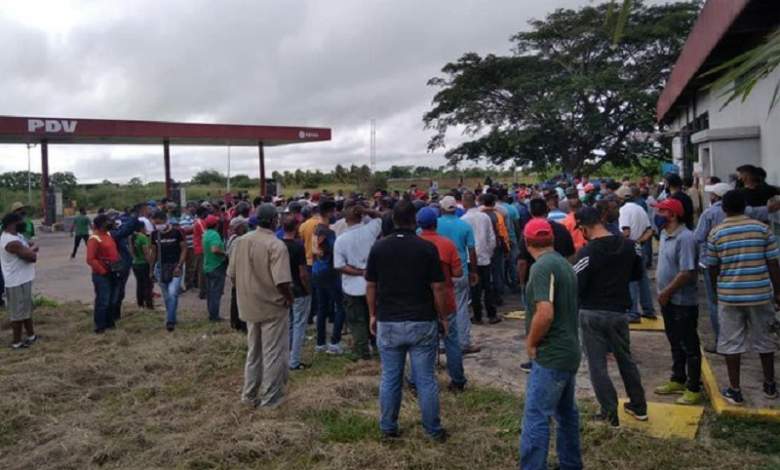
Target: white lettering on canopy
x,y
52,125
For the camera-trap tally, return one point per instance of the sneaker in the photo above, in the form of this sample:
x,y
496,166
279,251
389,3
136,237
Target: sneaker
x,y
607,418
690,398
632,410
31,339
670,388
635,320
456,388
471,349
770,390
335,349
321,349
441,437
19,345
300,366
390,435
494,320
170,327
526,367
733,396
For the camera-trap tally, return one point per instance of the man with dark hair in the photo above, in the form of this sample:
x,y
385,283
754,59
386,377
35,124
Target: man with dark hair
x,y
301,290
605,267
635,225
484,247
214,266
406,299
325,280
756,191
674,186
742,256
261,273
17,262
103,257
79,230
553,346
677,296
503,243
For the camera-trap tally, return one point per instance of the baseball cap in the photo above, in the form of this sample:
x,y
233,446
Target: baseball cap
x,y
538,229
671,205
718,189
426,217
238,221
265,212
211,221
16,206
587,216
623,192
448,204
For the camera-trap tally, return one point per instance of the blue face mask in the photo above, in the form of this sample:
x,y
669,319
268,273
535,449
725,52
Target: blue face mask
x,y
660,221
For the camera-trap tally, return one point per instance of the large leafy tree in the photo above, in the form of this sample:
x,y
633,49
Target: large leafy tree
x,y
569,95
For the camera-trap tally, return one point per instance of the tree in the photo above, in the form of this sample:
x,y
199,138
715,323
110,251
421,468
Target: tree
x,y
208,177
135,181
396,171
567,96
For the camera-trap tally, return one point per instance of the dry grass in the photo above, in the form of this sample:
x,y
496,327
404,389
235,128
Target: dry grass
x,y
139,397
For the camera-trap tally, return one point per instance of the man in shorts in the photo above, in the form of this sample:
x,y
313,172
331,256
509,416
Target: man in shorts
x,y
743,263
17,259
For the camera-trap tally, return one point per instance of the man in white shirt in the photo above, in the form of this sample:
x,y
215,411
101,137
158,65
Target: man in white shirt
x,y
350,255
485,246
17,261
635,225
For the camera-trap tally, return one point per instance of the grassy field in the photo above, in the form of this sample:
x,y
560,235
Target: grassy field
x,y
139,397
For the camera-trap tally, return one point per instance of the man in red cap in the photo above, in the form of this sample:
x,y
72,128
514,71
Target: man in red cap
x,y
676,283
554,347
214,266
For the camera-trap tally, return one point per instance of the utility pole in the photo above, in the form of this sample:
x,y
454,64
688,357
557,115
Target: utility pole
x,y
29,175
372,155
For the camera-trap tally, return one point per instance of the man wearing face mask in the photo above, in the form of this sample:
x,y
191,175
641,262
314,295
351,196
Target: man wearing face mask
x,y
103,257
677,296
605,267
169,253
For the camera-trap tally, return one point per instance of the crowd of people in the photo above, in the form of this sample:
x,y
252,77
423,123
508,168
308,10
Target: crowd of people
x,y
404,272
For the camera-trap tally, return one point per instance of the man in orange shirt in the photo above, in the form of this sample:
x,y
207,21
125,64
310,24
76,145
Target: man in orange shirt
x,y
103,258
452,267
573,197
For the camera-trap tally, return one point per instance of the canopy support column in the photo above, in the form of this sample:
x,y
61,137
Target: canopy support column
x,y
47,219
261,152
167,161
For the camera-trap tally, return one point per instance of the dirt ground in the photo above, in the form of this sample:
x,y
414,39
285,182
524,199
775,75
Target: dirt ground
x,y
503,347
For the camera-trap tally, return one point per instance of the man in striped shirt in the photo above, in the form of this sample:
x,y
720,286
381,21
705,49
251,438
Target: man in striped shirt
x,y
742,256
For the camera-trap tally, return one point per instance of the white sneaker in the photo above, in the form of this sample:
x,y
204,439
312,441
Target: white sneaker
x,y
335,349
320,349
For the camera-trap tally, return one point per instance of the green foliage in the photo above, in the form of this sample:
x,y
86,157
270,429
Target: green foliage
x,y
207,177
17,180
567,96
344,426
742,434
41,301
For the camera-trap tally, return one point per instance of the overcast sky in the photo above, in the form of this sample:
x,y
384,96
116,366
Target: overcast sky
x,y
329,63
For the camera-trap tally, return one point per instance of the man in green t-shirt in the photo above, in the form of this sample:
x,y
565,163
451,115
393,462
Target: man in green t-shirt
x,y
553,346
214,266
79,230
139,248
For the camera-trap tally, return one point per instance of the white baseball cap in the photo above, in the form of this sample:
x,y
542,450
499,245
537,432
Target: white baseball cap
x,y
448,204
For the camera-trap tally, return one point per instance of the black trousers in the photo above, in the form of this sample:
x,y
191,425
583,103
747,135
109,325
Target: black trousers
x,y
235,322
681,323
483,290
143,285
76,242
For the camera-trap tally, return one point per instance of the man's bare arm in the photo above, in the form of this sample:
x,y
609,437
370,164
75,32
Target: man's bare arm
x,y
18,249
540,325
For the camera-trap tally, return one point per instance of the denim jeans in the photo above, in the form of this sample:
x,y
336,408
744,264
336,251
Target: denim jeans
x,y
329,297
604,331
462,295
641,294
106,296
170,293
712,302
420,340
680,322
298,314
121,282
550,394
454,355
215,286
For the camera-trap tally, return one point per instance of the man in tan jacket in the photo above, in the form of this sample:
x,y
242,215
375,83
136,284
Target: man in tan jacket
x,y
260,270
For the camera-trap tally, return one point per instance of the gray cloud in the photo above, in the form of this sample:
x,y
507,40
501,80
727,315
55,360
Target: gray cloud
x,y
322,63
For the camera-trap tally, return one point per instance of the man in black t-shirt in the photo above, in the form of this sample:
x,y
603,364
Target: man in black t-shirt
x,y
406,295
674,186
300,288
604,268
169,252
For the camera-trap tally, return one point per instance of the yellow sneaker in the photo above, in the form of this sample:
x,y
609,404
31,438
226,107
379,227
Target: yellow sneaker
x,y
690,398
670,388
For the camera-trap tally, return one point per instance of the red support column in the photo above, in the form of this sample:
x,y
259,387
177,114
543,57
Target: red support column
x,y
262,168
167,161
45,182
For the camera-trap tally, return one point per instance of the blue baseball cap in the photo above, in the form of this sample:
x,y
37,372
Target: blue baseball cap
x,y
426,218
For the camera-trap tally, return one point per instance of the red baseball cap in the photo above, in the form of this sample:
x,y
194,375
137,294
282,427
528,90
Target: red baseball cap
x,y
211,221
538,229
672,205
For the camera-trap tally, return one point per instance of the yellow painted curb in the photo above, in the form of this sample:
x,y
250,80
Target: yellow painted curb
x,y
665,420
722,407
648,324
515,315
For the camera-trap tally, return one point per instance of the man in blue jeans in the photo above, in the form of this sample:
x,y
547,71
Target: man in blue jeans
x,y
554,348
405,291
